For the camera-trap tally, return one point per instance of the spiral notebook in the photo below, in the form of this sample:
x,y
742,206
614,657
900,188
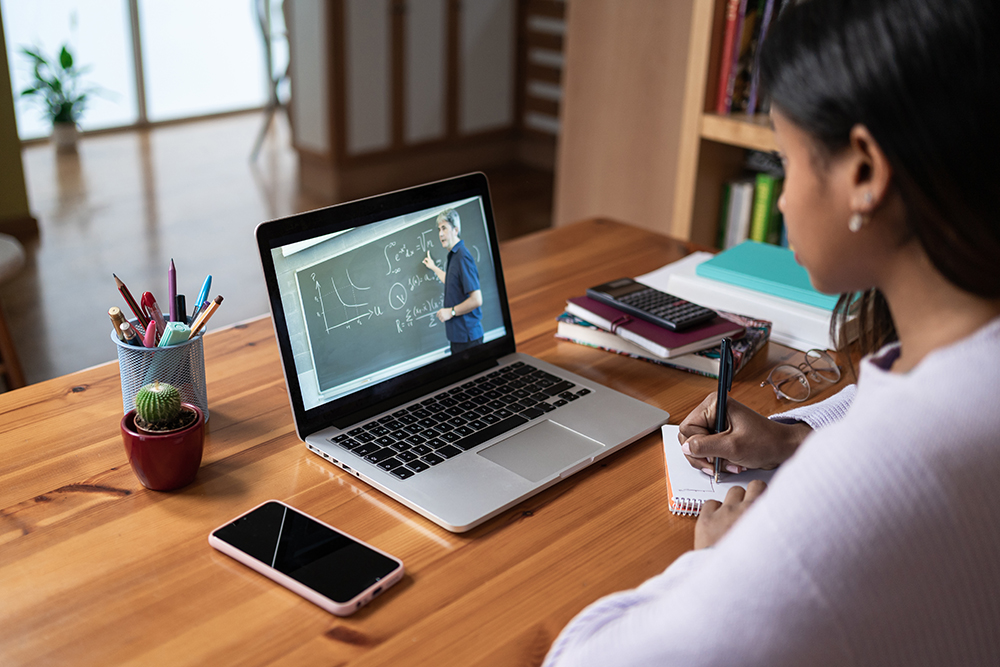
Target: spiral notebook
x,y
689,487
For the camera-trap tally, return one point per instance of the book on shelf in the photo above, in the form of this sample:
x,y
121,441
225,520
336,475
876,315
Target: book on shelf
x,y
734,56
794,324
766,268
767,14
720,238
726,61
661,341
748,208
764,161
739,213
703,362
746,25
749,41
765,222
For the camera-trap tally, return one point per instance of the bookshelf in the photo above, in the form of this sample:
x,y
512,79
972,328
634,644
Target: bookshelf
x,y
754,133
639,140
712,146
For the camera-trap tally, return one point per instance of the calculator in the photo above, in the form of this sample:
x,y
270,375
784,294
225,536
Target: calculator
x,y
652,305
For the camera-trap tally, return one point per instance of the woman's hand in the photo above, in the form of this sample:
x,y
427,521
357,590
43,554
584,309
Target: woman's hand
x,y
750,440
717,518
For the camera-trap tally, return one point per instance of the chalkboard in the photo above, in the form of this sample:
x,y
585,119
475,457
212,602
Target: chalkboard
x,y
369,308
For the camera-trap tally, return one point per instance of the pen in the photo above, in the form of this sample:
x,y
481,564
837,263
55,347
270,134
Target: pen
x,y
203,319
115,313
131,337
172,291
202,296
181,306
139,315
200,309
153,311
725,384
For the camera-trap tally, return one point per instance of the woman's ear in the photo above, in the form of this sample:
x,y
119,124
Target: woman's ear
x,y
871,172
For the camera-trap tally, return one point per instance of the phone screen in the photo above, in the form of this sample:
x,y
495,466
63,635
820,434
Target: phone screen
x,y
309,552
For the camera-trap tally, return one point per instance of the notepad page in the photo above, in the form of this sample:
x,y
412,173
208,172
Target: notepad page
x,y
688,487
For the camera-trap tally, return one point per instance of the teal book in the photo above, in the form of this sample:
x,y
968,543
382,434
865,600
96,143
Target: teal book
x,y
765,268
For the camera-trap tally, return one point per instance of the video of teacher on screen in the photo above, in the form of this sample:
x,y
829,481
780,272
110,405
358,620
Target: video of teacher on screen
x,y
360,305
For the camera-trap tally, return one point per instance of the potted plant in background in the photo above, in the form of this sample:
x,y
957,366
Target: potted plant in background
x,y
163,437
58,84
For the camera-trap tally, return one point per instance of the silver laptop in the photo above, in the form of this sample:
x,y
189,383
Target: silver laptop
x,y
375,386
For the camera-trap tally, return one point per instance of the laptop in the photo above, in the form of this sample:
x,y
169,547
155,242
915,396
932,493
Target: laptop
x,y
375,388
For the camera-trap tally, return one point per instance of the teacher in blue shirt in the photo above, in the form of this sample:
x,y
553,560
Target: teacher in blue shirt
x,y
462,313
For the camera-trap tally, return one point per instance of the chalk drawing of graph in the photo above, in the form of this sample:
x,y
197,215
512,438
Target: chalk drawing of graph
x,y
350,302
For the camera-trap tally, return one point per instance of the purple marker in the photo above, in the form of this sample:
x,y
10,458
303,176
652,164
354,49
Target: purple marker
x,y
172,291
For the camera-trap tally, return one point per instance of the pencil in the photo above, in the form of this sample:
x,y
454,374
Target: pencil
x,y
139,315
203,318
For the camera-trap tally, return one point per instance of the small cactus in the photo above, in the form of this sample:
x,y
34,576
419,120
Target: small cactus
x,y
158,403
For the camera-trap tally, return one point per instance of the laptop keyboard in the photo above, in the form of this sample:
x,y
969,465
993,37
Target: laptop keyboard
x,y
413,439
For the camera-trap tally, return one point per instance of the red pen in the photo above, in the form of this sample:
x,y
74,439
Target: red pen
x,y
154,313
139,315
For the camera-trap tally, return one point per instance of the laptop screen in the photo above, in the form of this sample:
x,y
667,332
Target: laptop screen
x,y
356,309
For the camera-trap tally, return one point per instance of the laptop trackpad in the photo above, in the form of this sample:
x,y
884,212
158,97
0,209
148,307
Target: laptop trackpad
x,y
541,451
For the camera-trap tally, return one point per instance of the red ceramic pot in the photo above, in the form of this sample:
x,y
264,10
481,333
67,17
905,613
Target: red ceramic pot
x,y
168,461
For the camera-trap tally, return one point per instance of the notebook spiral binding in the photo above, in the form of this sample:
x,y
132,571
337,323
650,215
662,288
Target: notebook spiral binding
x,y
685,506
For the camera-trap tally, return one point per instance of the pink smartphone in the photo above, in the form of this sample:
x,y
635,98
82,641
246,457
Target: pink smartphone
x,y
315,560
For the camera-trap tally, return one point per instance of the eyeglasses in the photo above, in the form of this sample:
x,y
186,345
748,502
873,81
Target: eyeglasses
x,y
792,382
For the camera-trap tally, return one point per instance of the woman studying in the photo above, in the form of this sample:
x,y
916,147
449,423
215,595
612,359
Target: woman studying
x,y
878,541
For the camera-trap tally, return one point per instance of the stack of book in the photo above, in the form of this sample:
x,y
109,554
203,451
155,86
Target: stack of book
x,y
592,323
759,279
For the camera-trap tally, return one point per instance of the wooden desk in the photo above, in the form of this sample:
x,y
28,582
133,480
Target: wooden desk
x,y
96,569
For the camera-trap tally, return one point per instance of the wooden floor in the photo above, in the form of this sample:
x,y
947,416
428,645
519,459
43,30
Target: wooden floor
x,y
131,201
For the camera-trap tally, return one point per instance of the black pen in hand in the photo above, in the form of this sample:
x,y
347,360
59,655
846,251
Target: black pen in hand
x,y
725,384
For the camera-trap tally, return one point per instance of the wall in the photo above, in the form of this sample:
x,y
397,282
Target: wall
x,y
623,94
386,111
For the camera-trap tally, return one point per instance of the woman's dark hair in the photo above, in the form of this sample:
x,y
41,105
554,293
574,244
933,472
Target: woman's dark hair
x,y
924,77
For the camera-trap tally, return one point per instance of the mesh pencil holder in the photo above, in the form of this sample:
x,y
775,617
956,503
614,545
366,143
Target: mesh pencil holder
x,y
182,365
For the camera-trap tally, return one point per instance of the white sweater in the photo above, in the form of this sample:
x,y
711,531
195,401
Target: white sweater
x,y
878,543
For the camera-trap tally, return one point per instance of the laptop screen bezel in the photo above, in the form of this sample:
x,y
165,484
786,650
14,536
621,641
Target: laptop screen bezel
x,y
362,404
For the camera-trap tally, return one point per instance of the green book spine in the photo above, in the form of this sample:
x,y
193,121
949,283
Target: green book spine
x,y
775,225
720,239
762,203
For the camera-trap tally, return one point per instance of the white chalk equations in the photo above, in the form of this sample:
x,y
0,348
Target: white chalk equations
x,y
369,304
